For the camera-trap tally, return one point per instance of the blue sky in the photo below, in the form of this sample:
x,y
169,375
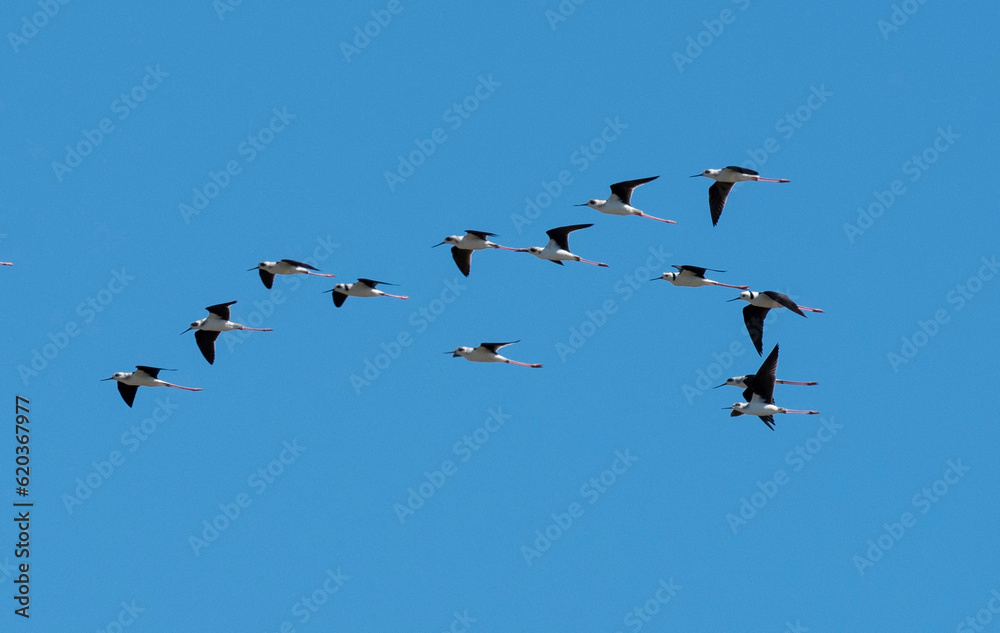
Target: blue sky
x,y
340,473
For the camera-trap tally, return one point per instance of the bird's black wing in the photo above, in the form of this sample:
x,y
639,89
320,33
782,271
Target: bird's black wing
x,y
295,263
717,194
338,298
743,170
152,371
768,420
463,259
266,277
372,283
560,235
493,347
206,343
753,317
480,234
128,392
784,300
625,188
763,382
221,310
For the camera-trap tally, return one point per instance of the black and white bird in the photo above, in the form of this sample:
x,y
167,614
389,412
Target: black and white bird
x,y
694,277
746,382
285,267
463,245
760,396
487,353
361,288
557,250
217,322
755,313
620,202
143,376
724,180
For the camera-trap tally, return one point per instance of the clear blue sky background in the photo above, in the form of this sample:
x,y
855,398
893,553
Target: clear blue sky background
x,y
635,387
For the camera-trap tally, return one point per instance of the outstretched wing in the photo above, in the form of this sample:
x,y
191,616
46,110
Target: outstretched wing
x,y
768,420
560,235
763,382
463,259
128,392
784,300
292,262
493,347
372,283
221,310
338,298
480,234
625,188
266,277
753,317
206,343
152,371
717,195
743,170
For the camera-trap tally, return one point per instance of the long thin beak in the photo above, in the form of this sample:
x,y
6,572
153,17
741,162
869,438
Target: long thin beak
x,y
187,330
717,386
736,299
103,379
451,351
254,268
695,176
724,408
436,245
580,205
655,278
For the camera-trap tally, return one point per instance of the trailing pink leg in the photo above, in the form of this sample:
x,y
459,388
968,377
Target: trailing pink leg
x,y
587,261
386,294
646,215
792,382
167,384
736,287
320,274
799,411
514,362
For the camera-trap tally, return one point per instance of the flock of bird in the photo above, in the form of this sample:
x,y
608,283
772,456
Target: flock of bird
x,y
758,388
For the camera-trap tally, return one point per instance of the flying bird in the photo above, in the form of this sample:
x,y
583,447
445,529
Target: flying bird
x,y
463,245
694,277
6,263
621,200
557,250
285,267
361,288
724,181
487,353
217,322
760,397
143,376
755,313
